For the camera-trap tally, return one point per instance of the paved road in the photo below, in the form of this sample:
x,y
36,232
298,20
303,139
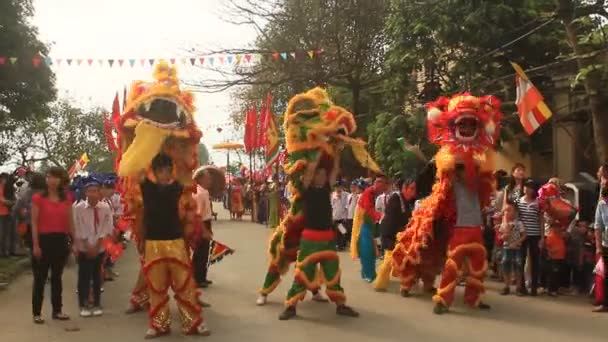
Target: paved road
x,y
235,317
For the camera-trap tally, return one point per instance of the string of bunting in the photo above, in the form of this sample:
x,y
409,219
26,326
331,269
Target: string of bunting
x,y
213,60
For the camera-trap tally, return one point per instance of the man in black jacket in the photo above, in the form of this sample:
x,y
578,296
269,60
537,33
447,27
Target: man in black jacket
x,y
398,212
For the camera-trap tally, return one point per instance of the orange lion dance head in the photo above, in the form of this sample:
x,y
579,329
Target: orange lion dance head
x,y
466,127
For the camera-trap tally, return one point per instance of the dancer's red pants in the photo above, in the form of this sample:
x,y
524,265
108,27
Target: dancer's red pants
x,y
466,243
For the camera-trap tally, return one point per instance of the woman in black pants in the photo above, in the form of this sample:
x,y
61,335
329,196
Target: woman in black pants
x,y
52,229
532,219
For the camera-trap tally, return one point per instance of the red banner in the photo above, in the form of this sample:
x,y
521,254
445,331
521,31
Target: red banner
x,y
107,127
251,140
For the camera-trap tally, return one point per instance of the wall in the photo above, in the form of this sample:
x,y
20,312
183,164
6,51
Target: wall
x,y
509,155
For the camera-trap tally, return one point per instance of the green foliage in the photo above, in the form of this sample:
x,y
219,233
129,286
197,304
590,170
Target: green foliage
x,y
351,40
203,154
443,47
25,90
593,37
62,138
390,154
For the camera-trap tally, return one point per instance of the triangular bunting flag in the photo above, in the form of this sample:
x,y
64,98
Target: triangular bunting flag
x,y
89,61
36,61
151,61
111,62
201,60
311,53
192,61
13,60
120,62
284,55
69,61
248,58
184,61
211,60
48,61
230,58
238,59
100,62
142,62
221,58
132,62
79,61
172,60
293,55
275,56
58,60
2,60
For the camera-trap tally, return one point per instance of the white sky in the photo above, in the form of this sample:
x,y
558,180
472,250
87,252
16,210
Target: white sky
x,y
137,29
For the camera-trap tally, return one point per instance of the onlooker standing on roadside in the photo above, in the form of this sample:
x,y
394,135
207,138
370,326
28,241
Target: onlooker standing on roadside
x,y
339,207
23,209
601,241
93,223
532,219
5,217
52,228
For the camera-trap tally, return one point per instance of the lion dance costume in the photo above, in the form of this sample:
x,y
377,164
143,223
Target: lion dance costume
x,y
159,118
313,125
465,127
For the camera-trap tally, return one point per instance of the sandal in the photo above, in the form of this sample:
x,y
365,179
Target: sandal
x,y
153,333
202,330
133,309
60,316
38,320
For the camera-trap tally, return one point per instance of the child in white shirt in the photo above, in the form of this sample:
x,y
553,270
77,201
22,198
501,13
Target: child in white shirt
x,y
93,222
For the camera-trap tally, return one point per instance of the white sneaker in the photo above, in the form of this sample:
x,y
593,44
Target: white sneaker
x,y
202,330
97,312
318,297
84,312
261,300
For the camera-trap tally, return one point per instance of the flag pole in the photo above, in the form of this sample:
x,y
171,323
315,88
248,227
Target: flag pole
x,y
252,187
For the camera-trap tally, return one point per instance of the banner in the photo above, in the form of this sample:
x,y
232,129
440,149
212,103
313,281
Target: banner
x,y
251,128
271,134
130,62
531,107
79,165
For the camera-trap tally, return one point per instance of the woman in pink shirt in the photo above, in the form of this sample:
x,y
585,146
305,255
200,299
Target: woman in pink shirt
x,y
52,228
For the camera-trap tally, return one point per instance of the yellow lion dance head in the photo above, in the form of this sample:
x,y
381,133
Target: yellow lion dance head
x,y
159,117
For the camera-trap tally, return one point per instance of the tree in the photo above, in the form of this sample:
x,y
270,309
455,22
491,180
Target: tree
x,y
586,40
347,44
384,142
203,154
444,47
25,89
62,138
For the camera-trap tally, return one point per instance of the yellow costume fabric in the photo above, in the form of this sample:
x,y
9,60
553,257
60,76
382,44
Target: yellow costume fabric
x,y
167,264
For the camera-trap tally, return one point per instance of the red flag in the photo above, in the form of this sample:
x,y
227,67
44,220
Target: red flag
x,y
251,130
107,127
116,112
261,129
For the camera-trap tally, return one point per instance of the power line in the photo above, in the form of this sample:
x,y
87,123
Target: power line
x,y
547,66
502,47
